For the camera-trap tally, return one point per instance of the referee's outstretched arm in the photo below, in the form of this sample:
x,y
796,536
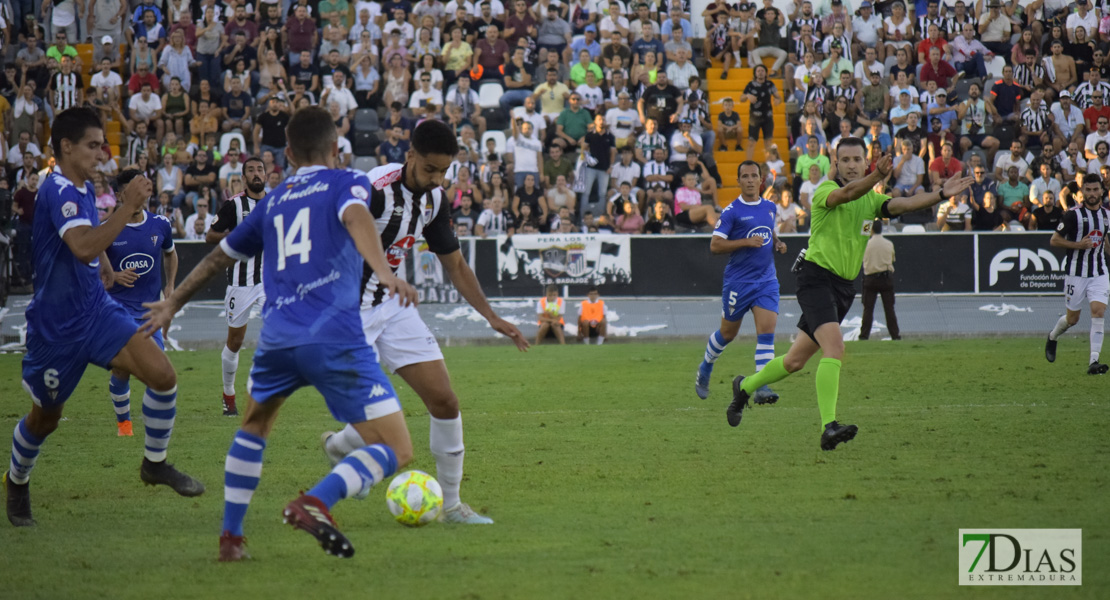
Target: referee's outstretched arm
x,y
952,187
857,189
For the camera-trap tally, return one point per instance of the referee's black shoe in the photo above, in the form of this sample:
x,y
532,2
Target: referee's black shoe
x,y
836,434
1050,350
1097,368
740,399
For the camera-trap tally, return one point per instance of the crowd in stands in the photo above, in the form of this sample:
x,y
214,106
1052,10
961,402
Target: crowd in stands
x,y
601,121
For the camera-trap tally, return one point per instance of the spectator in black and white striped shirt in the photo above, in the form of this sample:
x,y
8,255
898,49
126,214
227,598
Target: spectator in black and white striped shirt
x,y
67,88
1035,121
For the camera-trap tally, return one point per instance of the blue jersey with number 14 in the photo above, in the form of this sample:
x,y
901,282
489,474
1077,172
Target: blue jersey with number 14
x,y
742,220
312,272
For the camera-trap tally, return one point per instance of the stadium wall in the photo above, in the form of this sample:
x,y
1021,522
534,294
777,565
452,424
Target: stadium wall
x,y
681,265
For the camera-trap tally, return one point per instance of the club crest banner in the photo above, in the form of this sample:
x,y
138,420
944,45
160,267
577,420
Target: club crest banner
x,y
565,258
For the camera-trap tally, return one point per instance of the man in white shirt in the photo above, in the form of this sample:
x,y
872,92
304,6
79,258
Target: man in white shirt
x,y
865,29
865,67
1016,157
496,9
626,171
1085,18
108,83
341,95
15,153
426,94
231,167
408,33
623,121
198,223
526,151
591,93
1069,118
1102,134
681,70
146,106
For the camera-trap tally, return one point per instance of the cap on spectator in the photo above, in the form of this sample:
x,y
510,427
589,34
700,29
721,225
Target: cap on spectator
x,y
906,92
626,95
865,4
942,92
1080,2
994,4
106,39
1065,94
591,28
835,44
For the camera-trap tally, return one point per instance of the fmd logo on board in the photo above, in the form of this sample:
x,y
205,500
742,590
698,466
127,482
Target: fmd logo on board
x,y
1037,269
1021,557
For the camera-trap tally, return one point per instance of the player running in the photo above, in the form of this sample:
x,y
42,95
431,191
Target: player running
x,y
72,321
244,278
746,232
843,209
408,203
317,230
1083,232
136,258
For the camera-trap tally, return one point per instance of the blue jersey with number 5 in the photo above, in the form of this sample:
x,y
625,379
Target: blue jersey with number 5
x,y
312,270
742,220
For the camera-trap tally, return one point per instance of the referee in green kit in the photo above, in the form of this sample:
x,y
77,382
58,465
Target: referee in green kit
x,y
843,210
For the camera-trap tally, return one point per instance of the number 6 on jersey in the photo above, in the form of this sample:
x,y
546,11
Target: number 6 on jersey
x,y
286,242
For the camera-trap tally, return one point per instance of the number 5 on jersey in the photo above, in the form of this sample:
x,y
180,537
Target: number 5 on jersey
x,y
296,241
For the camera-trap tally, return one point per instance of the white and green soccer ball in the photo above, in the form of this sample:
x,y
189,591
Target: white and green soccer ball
x,y
415,498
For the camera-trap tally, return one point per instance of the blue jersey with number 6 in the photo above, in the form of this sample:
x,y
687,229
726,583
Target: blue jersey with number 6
x,y
312,270
742,220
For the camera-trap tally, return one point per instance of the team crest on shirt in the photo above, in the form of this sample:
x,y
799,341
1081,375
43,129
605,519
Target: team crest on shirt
x,y
866,229
69,210
359,192
154,240
428,208
395,255
1096,238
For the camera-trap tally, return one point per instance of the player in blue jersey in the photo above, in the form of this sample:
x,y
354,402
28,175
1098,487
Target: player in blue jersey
x,y
72,321
746,232
137,257
317,231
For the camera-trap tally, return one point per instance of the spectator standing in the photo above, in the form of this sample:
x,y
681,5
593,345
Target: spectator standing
x,y
526,151
762,93
878,280
573,122
299,34
269,130
601,146
661,102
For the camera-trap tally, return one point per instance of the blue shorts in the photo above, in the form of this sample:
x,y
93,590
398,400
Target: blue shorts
x,y
349,377
137,314
739,297
52,370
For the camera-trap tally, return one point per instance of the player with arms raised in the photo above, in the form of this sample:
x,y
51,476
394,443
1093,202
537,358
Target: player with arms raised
x,y
408,203
317,230
843,210
1083,232
72,321
244,278
746,232
136,258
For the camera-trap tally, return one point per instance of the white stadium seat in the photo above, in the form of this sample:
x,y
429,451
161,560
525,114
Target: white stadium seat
x,y
490,95
364,163
913,228
225,142
498,138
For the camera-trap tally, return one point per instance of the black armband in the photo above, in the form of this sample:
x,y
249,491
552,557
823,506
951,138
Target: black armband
x,y
885,210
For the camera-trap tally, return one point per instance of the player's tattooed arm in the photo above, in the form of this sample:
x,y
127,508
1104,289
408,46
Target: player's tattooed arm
x,y
161,313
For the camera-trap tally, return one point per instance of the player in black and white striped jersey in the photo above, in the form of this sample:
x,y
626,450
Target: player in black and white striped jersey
x,y
244,278
408,204
1083,232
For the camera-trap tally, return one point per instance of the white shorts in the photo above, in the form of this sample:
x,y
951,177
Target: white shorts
x,y
238,302
1079,292
399,335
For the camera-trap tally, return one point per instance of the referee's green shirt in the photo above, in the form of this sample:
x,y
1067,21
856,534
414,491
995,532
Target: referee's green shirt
x,y
838,236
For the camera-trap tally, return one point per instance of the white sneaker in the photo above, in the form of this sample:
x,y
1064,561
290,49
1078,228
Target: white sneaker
x,y
462,513
333,458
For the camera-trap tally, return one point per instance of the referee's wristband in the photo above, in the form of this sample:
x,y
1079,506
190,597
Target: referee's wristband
x,y
940,193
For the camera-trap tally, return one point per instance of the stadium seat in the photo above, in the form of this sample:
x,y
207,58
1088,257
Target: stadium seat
x,y
364,163
490,95
914,228
994,67
225,142
366,119
498,140
1015,226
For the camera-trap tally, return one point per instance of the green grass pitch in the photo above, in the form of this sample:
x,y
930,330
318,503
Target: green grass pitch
x,y
608,478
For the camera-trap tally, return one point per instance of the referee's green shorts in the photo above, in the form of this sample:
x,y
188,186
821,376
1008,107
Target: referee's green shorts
x,y
824,297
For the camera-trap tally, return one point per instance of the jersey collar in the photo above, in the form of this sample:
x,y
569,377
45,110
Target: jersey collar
x,y
140,223
80,188
310,169
757,202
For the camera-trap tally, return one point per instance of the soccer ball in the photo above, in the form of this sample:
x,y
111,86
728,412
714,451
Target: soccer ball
x,y
414,498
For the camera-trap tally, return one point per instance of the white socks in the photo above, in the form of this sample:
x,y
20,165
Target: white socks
x,y
446,443
1096,338
1061,326
230,361
345,442
600,340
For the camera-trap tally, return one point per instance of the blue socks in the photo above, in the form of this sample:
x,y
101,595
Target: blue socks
x,y
355,474
764,350
242,471
159,412
713,350
120,390
25,451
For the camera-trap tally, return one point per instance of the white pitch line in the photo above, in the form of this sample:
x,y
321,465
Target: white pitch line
x,y
849,407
